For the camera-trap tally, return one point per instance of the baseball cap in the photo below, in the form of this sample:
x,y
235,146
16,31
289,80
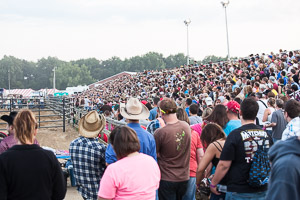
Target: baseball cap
x,y
221,98
9,118
233,106
272,78
208,101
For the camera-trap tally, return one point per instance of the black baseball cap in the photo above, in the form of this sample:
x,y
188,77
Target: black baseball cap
x,y
9,118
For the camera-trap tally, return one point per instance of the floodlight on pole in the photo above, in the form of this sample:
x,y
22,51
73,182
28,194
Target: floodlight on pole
x,y
187,23
225,4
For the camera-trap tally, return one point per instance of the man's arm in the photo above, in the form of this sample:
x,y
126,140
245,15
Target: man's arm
x,y
222,169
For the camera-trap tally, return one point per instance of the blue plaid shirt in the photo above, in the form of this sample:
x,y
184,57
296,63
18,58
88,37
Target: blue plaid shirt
x,y
88,158
152,126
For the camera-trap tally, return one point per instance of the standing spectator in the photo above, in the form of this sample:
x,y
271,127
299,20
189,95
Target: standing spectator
x,y
262,105
292,116
10,140
233,109
268,114
173,149
195,158
134,111
153,111
135,175
285,173
188,102
194,118
155,124
86,103
88,155
237,154
278,123
213,138
26,170
218,115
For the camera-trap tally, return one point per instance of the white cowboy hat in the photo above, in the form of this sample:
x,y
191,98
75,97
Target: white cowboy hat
x,y
134,109
91,124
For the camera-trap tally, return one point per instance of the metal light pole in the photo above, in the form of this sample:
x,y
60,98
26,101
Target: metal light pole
x,y
9,80
187,23
225,4
54,80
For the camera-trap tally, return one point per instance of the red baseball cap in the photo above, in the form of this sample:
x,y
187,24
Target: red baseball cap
x,y
233,106
144,102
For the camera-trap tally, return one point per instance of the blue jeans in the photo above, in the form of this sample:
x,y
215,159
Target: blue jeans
x,y
171,190
191,190
213,196
247,196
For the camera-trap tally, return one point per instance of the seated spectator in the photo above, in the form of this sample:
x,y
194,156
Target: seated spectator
x,y
135,175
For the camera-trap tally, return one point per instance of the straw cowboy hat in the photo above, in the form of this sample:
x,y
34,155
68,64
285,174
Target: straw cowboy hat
x,y
91,124
134,109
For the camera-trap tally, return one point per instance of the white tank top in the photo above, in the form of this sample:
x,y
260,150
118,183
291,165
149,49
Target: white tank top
x,y
270,116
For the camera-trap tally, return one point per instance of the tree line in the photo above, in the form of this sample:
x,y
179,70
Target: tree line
x,y
37,75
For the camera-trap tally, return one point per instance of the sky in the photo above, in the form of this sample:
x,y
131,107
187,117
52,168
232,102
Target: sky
x,y
75,29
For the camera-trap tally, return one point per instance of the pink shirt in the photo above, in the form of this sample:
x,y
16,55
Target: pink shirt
x,y
135,177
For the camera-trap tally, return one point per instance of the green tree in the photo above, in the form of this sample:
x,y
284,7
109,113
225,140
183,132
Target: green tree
x,y
177,60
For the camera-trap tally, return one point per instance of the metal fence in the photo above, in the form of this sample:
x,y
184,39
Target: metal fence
x,y
39,105
62,107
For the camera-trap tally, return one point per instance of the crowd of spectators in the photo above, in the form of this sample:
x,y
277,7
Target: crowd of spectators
x,y
255,94
187,127
222,81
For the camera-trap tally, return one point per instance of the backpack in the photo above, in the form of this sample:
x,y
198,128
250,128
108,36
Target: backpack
x,y
260,167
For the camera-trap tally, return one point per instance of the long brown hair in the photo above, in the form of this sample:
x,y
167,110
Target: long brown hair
x,y
210,133
182,115
25,125
218,115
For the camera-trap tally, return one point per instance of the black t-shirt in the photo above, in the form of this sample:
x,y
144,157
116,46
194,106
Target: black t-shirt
x,y
30,172
239,148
